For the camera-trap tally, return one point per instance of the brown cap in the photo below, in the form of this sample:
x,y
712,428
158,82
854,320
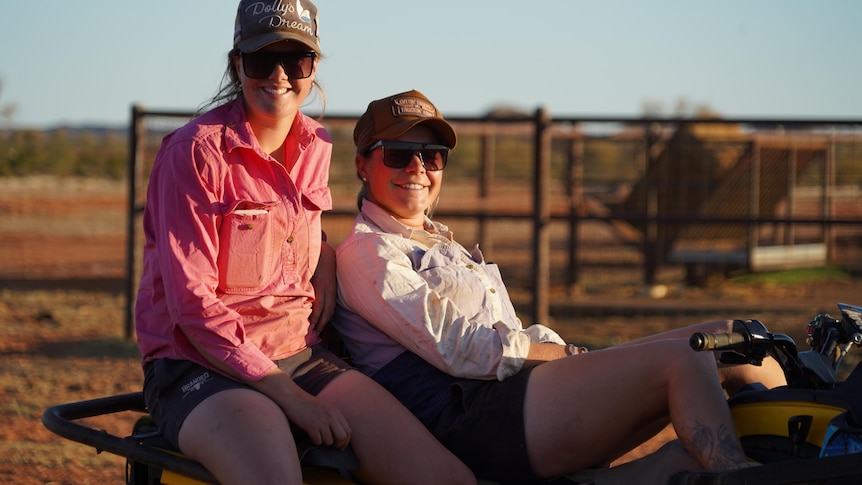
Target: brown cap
x,y
262,22
389,118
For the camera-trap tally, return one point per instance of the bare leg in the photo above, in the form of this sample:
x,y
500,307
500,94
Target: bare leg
x,y
732,377
241,436
580,410
640,449
391,444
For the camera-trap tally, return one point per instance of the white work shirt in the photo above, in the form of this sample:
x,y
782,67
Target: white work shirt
x,y
420,290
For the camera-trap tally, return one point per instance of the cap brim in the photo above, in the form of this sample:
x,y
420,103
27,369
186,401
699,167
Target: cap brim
x,y
441,128
261,41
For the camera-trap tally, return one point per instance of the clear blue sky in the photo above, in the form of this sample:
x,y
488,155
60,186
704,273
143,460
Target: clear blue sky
x,y
86,61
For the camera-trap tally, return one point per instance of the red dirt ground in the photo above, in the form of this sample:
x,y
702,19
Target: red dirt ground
x,y
61,313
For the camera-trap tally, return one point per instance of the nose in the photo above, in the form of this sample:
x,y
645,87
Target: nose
x,y
416,163
278,71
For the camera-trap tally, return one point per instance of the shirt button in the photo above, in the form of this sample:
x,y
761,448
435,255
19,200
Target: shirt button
x,y
493,290
470,266
290,239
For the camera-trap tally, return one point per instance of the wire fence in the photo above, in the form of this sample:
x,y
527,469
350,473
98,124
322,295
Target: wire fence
x,y
570,206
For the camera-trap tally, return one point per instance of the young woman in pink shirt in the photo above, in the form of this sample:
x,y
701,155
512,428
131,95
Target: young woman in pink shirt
x,y
238,281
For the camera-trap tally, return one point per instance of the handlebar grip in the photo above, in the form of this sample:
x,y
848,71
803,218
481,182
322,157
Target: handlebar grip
x,y
718,341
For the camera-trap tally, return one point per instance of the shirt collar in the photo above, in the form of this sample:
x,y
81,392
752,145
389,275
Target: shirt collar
x,y
238,131
382,219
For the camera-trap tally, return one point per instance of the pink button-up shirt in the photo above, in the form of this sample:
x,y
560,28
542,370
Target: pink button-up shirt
x,y
232,240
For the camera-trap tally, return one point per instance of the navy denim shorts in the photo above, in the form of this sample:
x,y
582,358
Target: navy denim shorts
x,y
172,388
483,425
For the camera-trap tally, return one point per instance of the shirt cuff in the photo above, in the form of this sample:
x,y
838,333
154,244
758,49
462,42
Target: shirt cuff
x,y
250,363
516,347
541,334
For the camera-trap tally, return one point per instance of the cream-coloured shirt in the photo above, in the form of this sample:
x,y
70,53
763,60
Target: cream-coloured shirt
x,y
420,290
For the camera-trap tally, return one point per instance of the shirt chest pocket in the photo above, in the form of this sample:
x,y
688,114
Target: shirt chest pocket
x,y
247,236
454,275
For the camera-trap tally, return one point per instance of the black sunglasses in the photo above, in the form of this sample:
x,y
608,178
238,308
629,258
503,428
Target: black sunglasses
x,y
399,154
260,64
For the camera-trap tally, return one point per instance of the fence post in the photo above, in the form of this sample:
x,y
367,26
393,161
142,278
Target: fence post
x,y
652,177
790,229
541,215
754,200
828,230
488,141
575,191
135,129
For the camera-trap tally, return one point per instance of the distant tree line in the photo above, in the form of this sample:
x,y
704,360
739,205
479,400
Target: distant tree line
x,y
64,152
79,152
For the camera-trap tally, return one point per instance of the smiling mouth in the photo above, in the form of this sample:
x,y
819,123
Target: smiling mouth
x,y
412,186
276,92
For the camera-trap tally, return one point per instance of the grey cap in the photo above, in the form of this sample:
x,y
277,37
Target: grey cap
x,y
260,23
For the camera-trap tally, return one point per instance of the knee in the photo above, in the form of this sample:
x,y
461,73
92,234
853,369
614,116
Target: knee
x,y
689,361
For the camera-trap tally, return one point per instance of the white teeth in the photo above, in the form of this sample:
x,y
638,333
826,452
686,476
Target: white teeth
x,y
413,186
279,92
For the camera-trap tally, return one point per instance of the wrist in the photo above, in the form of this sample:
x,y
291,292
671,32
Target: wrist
x,y
572,349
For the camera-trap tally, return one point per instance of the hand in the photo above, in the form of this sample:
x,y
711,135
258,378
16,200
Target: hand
x,y
325,289
323,423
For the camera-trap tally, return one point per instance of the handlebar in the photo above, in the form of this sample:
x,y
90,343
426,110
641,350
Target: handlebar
x,y
702,341
748,342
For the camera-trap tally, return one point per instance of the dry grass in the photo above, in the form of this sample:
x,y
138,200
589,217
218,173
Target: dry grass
x,y
61,319
60,346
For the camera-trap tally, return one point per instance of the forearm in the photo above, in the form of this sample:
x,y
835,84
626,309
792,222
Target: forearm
x,y
279,387
325,290
326,263
544,352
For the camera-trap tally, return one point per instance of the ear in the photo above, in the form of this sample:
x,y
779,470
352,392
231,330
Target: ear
x,y
314,67
235,61
361,171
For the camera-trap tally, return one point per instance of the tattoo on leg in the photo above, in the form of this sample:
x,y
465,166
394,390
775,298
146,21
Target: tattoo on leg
x,y
718,448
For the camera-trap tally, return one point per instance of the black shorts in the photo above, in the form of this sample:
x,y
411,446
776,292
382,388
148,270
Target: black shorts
x,y
172,388
483,425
